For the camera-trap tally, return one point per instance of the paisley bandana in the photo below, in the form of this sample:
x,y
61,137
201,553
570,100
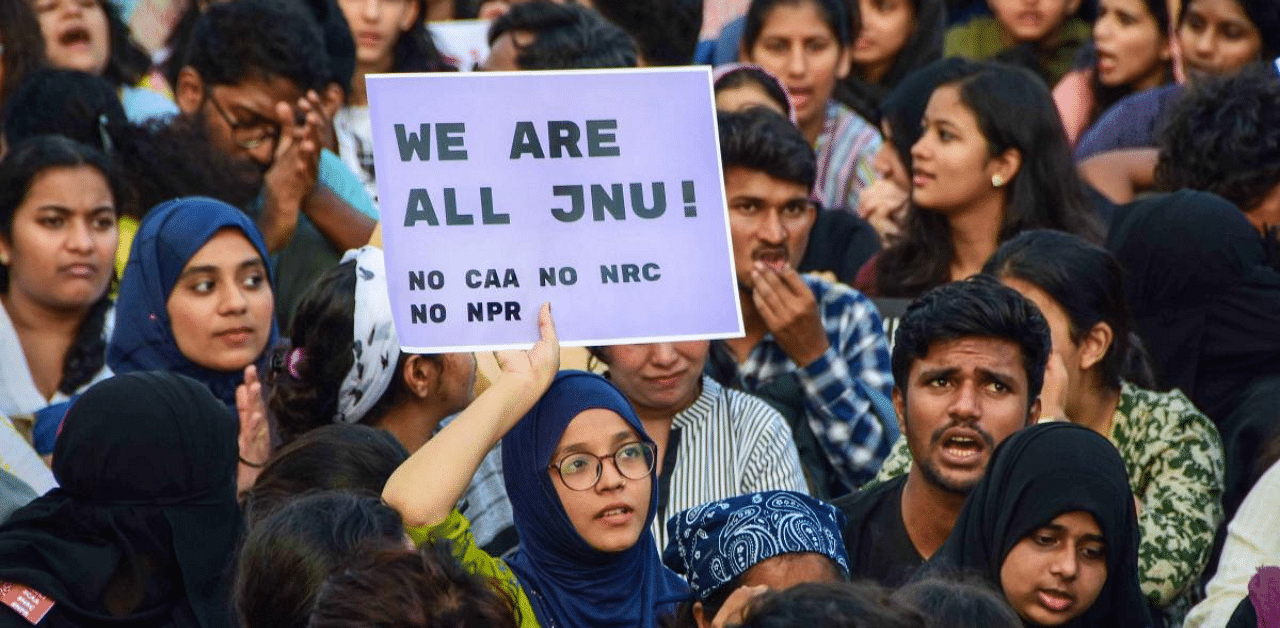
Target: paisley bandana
x,y
715,543
375,347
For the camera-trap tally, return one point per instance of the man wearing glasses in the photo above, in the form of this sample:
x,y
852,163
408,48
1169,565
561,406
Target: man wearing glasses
x,y
817,349
251,82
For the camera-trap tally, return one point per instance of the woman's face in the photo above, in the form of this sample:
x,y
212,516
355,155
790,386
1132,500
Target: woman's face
x,y
663,377
1132,48
1054,574
888,164
744,97
952,167
797,46
62,244
1217,38
376,25
1059,331
886,26
76,36
611,515
221,307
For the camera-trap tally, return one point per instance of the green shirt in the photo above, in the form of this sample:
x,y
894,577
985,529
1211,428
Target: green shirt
x,y
982,38
457,530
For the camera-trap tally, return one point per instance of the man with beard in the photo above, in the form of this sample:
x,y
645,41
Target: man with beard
x,y
968,364
814,348
252,79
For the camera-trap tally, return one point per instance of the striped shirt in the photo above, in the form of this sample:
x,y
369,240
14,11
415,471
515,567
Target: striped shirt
x,y
838,386
726,444
846,151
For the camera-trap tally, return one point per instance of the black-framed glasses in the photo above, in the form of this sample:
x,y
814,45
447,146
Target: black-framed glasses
x,y
581,471
247,135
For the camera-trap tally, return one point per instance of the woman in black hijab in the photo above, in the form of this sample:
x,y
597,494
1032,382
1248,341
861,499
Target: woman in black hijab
x,y
143,528
1206,303
1052,514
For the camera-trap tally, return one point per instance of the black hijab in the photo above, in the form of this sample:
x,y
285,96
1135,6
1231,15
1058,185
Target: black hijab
x,y
1204,298
1035,475
147,467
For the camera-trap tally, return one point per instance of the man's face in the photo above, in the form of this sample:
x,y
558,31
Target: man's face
x,y
236,115
505,49
769,219
960,400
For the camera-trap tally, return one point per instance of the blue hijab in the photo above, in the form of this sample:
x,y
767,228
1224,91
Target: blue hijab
x,y
570,584
169,236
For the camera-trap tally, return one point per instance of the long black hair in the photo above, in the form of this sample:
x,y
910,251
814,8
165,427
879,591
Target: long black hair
x,y
923,46
1086,281
1014,111
128,63
18,171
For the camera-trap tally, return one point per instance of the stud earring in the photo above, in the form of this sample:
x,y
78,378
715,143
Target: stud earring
x,y
4,258
997,180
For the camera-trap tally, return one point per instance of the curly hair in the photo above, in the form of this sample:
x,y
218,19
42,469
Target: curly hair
x,y
1224,137
247,39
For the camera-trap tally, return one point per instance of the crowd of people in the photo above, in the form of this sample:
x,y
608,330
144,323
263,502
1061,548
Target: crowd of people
x,y
1009,282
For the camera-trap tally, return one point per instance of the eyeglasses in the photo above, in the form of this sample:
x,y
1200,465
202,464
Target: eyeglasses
x,y
247,135
581,471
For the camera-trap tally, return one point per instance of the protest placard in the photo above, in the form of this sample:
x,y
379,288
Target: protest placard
x,y
462,43
598,191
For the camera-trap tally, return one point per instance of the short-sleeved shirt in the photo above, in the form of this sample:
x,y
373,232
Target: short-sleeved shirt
x,y
876,537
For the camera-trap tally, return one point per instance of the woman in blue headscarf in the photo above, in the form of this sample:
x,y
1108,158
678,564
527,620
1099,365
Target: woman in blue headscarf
x,y
196,299
579,471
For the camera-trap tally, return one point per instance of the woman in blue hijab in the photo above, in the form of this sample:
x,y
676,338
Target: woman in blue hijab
x,y
579,470
196,296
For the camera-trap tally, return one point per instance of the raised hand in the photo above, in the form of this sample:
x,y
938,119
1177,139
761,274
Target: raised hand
x,y
790,311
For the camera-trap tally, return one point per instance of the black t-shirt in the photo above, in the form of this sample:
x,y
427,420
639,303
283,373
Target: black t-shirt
x,y
875,536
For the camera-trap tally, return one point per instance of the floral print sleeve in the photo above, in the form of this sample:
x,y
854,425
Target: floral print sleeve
x,y
1175,462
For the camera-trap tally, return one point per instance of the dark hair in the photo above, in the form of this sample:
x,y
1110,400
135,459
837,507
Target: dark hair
x,y
160,159
1087,282
286,557
978,306
958,602
922,47
23,45
1015,111
1265,15
19,169
1223,136
760,139
415,50
903,108
427,588
1104,96
565,37
70,103
834,12
666,31
832,605
258,39
322,328
339,45
345,457
749,75
127,62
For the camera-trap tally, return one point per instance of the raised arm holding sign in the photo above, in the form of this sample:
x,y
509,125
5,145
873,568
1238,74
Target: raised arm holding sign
x,y
581,192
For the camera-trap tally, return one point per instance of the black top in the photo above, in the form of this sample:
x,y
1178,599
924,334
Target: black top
x,y
879,547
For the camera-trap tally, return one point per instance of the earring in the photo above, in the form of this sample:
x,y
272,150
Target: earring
x,y
4,258
997,180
